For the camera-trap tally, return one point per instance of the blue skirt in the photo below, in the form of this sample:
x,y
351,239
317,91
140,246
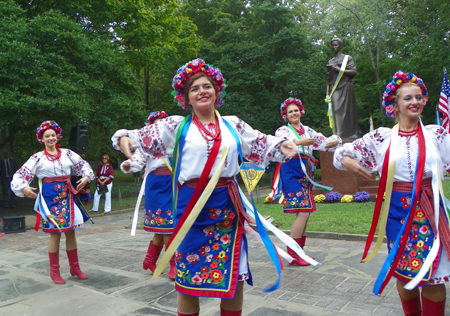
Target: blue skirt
x,y
420,238
158,204
296,187
60,202
207,260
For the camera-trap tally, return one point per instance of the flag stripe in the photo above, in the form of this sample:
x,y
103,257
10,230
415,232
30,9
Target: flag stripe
x,y
444,102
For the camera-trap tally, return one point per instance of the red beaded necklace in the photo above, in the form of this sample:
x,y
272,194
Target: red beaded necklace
x,y
51,157
206,134
300,130
408,133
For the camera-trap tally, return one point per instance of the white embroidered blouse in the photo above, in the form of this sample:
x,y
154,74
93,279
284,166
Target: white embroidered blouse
x,y
38,165
371,149
286,133
158,141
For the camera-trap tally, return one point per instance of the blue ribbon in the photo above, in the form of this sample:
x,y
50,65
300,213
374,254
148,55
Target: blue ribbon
x,y
302,164
260,227
393,253
176,167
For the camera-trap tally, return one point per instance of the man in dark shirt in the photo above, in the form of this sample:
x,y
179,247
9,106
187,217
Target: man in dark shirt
x,y
7,170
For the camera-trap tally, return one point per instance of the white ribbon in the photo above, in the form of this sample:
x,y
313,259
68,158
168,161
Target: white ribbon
x,y
435,180
285,239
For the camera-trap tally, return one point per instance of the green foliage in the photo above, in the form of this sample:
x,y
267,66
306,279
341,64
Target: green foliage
x,y
263,53
50,68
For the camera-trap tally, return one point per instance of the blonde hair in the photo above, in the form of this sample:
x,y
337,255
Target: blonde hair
x,y
105,156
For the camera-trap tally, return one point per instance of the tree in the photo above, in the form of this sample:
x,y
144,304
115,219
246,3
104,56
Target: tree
x,y
50,68
150,33
263,53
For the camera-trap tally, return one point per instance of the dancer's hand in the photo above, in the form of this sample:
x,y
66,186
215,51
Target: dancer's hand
x,y
288,149
126,166
82,183
305,141
332,144
28,192
354,167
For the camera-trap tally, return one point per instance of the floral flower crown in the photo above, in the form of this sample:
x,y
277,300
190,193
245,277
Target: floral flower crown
x,y
392,87
285,104
154,116
190,69
46,125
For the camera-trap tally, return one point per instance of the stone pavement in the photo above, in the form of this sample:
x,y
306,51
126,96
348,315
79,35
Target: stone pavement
x,y
118,285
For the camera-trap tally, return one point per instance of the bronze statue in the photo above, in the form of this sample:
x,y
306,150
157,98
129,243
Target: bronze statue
x,y
343,99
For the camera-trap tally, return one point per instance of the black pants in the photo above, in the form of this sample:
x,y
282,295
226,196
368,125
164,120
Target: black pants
x,y
9,198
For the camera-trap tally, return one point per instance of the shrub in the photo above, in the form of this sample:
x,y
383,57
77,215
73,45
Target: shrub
x,y
333,197
347,199
319,198
362,196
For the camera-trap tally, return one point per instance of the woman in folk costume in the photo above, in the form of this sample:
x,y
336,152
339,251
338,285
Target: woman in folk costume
x,y
296,176
158,200
411,159
212,256
105,178
55,201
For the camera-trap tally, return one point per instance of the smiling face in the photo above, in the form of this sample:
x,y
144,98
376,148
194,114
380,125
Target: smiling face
x,y
409,102
202,94
293,114
49,138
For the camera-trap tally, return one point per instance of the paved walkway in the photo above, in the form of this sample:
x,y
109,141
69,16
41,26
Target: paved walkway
x,y
117,285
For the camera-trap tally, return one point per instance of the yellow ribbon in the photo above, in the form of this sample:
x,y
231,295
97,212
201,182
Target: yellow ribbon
x,y
166,162
194,213
389,184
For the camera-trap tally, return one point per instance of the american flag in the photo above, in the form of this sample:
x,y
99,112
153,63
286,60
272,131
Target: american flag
x,y
444,102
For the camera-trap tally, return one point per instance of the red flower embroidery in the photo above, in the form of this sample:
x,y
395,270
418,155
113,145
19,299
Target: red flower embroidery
x,y
225,239
415,263
213,265
423,230
216,275
419,215
226,223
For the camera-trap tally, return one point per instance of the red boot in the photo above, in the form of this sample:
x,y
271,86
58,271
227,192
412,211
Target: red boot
x,y
54,268
411,307
301,242
151,257
173,268
183,314
297,260
224,312
74,267
431,308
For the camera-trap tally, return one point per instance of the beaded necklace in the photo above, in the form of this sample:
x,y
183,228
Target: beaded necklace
x,y
51,157
408,133
206,134
300,130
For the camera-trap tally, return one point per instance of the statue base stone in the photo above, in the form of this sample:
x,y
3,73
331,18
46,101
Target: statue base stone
x,y
343,182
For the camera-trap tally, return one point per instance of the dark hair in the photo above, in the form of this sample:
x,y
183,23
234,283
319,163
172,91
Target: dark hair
x,y
191,80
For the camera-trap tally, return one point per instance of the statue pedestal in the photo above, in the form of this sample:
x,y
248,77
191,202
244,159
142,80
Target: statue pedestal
x,y
343,182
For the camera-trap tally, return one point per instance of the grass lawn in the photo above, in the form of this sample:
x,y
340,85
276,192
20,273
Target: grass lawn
x,y
349,218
